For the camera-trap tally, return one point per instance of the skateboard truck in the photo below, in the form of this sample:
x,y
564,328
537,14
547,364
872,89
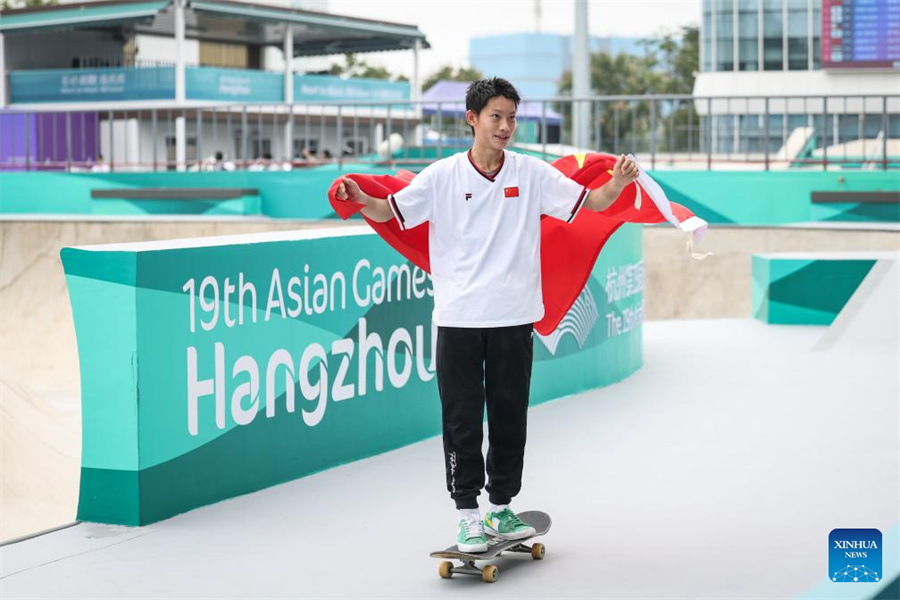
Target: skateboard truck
x,y
489,573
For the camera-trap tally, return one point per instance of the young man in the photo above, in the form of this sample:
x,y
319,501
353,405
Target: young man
x,y
484,211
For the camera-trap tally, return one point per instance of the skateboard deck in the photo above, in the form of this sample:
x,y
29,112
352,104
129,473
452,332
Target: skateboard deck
x,y
539,520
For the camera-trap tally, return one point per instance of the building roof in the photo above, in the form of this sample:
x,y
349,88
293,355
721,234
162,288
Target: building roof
x,y
76,16
315,33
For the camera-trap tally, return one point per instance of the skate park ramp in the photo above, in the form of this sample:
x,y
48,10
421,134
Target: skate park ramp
x,y
872,315
40,412
717,471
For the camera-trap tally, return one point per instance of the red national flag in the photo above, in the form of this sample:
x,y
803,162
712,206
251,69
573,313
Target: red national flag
x,y
511,192
568,251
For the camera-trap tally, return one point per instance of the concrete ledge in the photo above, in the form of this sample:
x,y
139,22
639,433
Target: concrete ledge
x,y
809,288
174,193
857,197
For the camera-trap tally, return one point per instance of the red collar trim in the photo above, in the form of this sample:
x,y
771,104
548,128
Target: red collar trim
x,y
482,173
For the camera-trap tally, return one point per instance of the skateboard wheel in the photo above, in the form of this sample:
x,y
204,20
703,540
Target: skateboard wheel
x,y
445,570
489,574
537,551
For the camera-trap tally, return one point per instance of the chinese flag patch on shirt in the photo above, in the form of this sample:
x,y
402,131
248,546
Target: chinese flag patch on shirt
x,y
511,192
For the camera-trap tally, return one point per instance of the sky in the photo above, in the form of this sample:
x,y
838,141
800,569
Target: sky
x,y
448,25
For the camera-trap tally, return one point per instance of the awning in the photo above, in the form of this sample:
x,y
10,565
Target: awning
x,y
314,33
80,16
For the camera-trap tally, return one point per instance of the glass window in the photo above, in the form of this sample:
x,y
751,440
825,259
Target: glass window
x,y
748,30
707,36
773,35
817,34
798,42
724,35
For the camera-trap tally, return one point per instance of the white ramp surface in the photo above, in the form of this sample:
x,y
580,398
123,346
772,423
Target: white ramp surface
x,y
872,315
718,471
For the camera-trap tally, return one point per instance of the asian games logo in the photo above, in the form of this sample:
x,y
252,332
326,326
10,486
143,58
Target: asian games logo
x,y
854,555
578,322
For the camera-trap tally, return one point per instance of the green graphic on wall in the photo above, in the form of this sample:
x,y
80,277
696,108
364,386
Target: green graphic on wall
x,y
216,367
794,290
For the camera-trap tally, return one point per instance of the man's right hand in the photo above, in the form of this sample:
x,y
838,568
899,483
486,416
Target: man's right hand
x,y
348,191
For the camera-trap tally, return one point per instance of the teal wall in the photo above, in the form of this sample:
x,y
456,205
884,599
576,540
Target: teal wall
x,y
300,194
744,198
774,197
792,290
189,398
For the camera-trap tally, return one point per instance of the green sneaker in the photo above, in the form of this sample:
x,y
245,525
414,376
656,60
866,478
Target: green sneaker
x,y
471,535
507,525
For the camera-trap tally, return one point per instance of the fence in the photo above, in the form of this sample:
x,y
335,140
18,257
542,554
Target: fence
x,y
676,131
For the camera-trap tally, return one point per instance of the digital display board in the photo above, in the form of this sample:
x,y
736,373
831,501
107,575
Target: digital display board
x,y
860,34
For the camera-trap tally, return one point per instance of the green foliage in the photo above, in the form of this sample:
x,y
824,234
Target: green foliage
x,y
668,66
11,4
448,73
356,67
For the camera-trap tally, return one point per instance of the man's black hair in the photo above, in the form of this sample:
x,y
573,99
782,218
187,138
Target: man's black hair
x,y
480,92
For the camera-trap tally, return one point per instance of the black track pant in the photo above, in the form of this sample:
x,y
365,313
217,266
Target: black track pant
x,y
478,366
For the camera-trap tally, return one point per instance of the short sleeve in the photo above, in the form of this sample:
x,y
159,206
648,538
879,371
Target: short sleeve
x,y
561,197
414,204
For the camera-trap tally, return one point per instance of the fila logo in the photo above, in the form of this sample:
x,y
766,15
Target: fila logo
x,y
511,192
468,196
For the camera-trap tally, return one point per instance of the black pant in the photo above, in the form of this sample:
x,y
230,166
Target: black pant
x,y
475,365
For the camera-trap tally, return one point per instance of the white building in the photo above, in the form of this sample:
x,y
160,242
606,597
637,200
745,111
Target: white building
x,y
756,49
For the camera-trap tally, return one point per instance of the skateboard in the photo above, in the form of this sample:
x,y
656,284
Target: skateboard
x,y
496,546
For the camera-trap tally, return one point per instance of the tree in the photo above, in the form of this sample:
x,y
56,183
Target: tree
x,y
682,61
355,67
11,4
667,67
448,73
623,123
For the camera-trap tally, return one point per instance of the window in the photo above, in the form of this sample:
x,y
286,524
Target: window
x,y
798,40
748,32
724,35
190,151
260,148
817,34
773,35
354,146
707,36
311,144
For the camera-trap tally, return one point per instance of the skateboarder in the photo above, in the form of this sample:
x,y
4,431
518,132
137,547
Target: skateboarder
x,y
484,209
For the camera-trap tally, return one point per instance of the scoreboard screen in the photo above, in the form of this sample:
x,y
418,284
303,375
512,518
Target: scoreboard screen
x,y
860,34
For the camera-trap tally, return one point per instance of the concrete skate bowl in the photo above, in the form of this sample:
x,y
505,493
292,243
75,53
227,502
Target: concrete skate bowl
x,y
40,428
39,379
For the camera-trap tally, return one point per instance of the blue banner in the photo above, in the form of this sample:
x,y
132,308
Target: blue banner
x,y
201,83
91,85
241,85
325,87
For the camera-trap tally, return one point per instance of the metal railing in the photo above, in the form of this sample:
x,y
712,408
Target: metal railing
x,y
664,132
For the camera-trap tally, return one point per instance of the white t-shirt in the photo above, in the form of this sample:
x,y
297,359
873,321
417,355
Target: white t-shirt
x,y
485,235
